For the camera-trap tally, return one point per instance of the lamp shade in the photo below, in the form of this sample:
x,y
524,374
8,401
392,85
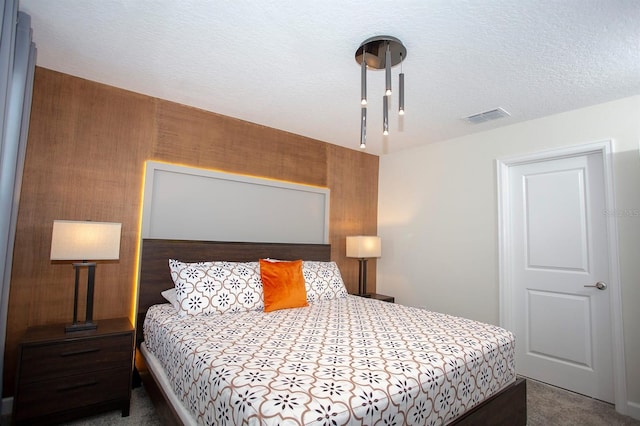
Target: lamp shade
x,y
85,240
364,246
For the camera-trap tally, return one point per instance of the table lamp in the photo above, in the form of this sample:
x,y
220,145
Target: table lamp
x,y
85,241
363,247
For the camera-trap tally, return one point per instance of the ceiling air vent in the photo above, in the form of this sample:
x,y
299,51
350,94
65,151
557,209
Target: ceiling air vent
x,y
482,117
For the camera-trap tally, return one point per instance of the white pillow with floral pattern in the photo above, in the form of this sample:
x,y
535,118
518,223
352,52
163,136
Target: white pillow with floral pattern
x,y
217,287
323,281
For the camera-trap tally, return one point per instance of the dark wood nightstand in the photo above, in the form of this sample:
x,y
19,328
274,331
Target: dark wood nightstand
x,y
376,296
62,376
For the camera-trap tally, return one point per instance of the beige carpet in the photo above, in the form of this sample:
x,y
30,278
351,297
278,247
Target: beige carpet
x,y
546,406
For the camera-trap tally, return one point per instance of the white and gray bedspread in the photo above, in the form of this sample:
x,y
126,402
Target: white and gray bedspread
x,y
345,361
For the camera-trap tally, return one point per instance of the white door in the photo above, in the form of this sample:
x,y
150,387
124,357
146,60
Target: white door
x,y
559,271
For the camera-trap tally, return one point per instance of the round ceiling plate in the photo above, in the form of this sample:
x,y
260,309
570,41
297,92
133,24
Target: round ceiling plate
x,y
375,49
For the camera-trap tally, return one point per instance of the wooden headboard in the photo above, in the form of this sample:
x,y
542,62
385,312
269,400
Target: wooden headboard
x,y
154,263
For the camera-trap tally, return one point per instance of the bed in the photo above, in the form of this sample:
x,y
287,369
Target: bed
x,y
340,360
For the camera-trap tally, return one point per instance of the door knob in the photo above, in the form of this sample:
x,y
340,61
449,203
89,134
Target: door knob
x,y
600,285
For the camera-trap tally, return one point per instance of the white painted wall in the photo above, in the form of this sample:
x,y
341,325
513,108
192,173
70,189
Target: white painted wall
x,y
437,216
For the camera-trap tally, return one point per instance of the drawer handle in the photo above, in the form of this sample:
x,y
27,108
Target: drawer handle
x,y
76,386
84,351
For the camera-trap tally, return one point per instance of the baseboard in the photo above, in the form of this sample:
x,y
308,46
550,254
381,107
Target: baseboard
x,y
633,410
7,406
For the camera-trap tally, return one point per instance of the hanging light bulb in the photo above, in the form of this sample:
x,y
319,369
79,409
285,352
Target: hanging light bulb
x,y
363,78
385,115
401,89
363,128
387,66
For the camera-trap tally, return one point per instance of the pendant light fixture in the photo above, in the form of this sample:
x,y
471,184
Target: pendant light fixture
x,y
380,52
363,128
363,81
401,89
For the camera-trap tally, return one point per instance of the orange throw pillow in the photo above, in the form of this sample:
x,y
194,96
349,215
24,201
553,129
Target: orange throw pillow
x,y
283,285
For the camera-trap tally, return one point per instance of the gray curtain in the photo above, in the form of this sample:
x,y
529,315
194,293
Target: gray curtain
x,y
17,65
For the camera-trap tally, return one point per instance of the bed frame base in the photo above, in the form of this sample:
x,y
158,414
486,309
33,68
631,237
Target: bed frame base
x,y
164,410
507,407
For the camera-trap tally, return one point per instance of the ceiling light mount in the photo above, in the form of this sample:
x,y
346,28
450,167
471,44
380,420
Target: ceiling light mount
x,y
375,51
380,52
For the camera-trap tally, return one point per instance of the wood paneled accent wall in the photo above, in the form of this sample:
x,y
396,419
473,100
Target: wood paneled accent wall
x,y
87,146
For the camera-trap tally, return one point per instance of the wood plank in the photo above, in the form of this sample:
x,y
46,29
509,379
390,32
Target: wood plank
x,y
353,179
212,141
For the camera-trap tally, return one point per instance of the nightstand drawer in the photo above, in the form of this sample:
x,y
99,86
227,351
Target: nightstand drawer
x,y
48,396
43,362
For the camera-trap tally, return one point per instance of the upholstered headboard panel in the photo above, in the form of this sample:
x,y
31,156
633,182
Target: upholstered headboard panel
x,y
197,204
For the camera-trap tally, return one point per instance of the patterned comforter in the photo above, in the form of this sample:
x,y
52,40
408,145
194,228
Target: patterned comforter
x,y
345,361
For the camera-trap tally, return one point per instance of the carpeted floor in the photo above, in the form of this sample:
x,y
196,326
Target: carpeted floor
x,y
546,406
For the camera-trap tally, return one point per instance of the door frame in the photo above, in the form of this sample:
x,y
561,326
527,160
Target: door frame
x,y
505,281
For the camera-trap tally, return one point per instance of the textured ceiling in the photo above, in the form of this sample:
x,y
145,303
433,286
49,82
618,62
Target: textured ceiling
x,y
290,64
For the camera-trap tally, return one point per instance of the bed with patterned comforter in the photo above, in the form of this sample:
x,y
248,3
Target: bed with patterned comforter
x,y
350,360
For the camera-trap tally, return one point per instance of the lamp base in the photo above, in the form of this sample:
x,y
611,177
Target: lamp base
x,y
362,276
80,326
88,324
